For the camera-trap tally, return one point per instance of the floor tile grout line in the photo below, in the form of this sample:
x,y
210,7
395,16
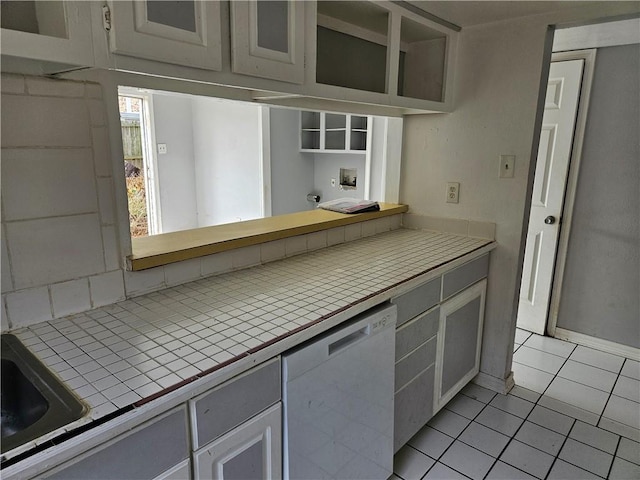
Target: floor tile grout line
x,y
611,393
458,436
535,403
576,420
513,437
615,455
557,456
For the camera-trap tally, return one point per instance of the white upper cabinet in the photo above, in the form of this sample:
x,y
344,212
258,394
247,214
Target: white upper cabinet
x,y
57,33
267,39
334,132
186,33
382,53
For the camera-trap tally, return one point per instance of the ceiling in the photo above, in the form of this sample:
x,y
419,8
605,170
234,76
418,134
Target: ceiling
x,y
468,13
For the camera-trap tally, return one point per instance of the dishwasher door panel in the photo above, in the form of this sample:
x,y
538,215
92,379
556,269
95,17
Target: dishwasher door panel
x,y
339,413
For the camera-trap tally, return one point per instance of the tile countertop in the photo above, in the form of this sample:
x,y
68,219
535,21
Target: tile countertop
x,y
137,350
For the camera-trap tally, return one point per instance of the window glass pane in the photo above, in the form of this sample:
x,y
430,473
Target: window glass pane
x,y
273,25
179,14
39,17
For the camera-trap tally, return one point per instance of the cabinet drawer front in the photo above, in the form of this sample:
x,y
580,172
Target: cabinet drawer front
x,y
414,333
418,300
465,275
235,401
413,408
146,453
410,366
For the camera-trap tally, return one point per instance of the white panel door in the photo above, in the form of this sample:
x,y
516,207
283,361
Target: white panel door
x,y
182,33
267,39
550,179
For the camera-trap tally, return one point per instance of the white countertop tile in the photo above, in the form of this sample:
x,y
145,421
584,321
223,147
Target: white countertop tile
x,y
133,349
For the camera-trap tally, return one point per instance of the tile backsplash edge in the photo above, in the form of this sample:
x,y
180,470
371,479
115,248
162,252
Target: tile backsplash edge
x,y
457,226
117,285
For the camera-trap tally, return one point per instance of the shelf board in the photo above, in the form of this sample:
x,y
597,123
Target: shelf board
x,y
341,129
173,247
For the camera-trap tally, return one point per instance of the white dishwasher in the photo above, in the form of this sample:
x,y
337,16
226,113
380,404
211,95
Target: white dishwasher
x,y
338,401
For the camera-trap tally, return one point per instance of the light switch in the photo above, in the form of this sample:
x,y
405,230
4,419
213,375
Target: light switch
x,y
507,165
162,148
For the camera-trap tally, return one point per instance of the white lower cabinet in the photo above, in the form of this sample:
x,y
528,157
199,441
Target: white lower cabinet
x,y
252,450
459,342
438,342
155,449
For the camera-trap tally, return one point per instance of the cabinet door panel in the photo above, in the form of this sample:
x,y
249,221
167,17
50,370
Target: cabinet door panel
x,y
460,335
267,39
413,408
172,14
251,451
53,31
183,33
145,453
227,406
182,471
459,342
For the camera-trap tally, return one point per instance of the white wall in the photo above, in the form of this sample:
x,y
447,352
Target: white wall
x,y
327,166
60,253
378,160
291,170
227,146
498,76
176,169
602,271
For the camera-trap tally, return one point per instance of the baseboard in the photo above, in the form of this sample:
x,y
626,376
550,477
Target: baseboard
x,y
500,385
598,343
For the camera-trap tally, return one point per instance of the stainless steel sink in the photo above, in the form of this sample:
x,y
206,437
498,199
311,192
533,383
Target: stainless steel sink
x,y
32,400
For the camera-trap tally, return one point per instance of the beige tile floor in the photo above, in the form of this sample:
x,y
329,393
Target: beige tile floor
x,y
574,414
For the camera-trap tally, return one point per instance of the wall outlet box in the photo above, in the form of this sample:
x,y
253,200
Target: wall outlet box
x,y
507,165
453,192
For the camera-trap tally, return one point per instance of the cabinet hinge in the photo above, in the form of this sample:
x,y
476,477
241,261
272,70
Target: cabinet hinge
x,y
106,17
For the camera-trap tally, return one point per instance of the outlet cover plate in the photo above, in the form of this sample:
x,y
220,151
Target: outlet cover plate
x,y
453,192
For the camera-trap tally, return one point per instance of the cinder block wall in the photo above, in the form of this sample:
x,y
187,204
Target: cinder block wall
x,y
59,245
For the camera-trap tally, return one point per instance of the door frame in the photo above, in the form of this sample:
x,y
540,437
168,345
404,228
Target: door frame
x,y
589,57
150,160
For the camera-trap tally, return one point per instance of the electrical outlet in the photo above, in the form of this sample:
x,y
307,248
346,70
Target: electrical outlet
x,y
333,182
453,191
162,148
507,165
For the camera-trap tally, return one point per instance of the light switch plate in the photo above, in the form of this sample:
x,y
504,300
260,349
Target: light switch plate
x,y
507,166
453,192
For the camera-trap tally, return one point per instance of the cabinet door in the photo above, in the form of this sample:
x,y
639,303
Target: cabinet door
x,y
459,342
267,39
149,451
184,33
182,471
251,451
53,31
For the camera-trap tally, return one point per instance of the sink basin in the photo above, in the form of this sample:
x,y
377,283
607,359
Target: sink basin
x,y
33,401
